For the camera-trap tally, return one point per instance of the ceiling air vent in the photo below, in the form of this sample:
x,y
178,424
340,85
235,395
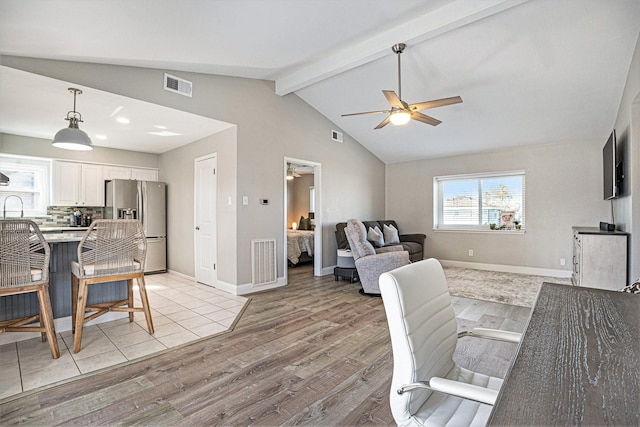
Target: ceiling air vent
x,y
177,85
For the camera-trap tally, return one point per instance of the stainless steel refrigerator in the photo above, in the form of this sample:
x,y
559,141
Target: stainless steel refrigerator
x,y
146,201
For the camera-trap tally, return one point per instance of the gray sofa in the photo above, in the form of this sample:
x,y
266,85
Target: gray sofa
x,y
412,243
372,262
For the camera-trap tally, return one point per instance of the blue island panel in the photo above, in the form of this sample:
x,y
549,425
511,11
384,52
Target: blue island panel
x,y
62,253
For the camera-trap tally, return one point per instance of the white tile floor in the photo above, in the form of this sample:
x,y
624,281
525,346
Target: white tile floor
x,y
182,311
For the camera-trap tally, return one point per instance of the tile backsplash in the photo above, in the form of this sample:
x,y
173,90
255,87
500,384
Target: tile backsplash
x,y
60,216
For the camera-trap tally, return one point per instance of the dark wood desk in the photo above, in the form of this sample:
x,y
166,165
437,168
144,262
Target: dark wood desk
x,y
578,362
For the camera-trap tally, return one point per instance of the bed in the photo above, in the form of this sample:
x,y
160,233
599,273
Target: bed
x,y
299,246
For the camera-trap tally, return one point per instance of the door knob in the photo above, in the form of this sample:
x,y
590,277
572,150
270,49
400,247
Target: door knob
x,y
197,228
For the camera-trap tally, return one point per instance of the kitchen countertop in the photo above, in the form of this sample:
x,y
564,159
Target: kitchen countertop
x,y
70,236
63,234
60,229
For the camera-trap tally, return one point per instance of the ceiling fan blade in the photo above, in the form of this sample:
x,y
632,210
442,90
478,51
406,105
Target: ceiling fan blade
x,y
383,123
393,99
435,103
367,112
425,119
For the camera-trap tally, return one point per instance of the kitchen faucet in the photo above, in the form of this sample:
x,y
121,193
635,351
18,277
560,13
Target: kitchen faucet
x,y
4,208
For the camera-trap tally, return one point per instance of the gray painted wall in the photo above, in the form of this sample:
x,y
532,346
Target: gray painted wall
x,y
298,203
37,147
177,167
269,128
563,189
627,208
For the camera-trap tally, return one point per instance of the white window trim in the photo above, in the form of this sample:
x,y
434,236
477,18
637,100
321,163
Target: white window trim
x,y
437,207
29,164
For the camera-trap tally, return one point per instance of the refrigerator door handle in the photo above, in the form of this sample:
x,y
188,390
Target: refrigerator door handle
x,y
141,197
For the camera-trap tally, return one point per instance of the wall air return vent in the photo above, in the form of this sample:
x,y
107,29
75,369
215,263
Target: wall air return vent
x,y
336,136
177,85
263,262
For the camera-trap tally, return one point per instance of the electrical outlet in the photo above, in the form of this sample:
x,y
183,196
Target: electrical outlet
x,y
470,252
562,261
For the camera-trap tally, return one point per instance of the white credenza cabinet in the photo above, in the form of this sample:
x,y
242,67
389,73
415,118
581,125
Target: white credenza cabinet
x,y
599,258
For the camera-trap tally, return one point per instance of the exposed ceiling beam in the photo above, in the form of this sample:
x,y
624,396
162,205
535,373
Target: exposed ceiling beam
x,y
433,23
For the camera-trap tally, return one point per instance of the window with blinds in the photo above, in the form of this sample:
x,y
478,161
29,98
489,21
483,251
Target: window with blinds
x,y
28,179
494,201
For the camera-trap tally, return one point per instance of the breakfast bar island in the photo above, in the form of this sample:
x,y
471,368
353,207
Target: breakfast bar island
x,y
63,243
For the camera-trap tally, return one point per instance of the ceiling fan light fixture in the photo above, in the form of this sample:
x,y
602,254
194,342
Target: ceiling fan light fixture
x,y
72,138
400,118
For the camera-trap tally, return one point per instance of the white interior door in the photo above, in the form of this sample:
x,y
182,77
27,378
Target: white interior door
x,y
205,220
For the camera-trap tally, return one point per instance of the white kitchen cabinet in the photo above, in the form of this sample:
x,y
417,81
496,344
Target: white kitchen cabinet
x,y
82,184
599,258
123,172
116,172
144,174
65,183
91,185
77,184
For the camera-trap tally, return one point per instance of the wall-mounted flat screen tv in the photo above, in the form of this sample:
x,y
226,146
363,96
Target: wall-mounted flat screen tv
x,y
609,168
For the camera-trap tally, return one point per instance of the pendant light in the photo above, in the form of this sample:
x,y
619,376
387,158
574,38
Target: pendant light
x,y
72,138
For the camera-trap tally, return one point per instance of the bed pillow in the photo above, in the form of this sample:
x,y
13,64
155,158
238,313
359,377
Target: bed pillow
x,y
375,235
304,224
390,235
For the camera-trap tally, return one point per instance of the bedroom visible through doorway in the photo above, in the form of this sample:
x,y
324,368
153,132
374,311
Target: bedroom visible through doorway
x,y
302,219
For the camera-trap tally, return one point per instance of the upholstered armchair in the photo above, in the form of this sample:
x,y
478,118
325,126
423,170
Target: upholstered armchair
x,y
371,262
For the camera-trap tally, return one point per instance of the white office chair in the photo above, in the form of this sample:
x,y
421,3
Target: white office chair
x,y
428,388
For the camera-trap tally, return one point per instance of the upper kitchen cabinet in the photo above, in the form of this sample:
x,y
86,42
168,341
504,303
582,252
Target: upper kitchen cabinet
x,y
123,172
77,184
144,174
116,172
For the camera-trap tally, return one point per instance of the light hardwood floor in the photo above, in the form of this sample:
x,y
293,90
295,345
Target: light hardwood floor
x,y
315,352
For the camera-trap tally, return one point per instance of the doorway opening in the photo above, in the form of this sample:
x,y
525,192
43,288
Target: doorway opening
x,y
302,216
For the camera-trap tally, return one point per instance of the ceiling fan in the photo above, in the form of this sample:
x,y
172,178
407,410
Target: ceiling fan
x,y
291,171
401,112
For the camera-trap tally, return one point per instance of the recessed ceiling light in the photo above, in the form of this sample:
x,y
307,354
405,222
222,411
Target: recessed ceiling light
x,y
123,120
116,111
164,133
103,137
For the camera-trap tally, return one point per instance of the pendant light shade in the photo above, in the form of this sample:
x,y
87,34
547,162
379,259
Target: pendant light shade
x,y
72,138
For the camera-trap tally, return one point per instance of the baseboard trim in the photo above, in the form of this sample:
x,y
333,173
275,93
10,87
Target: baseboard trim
x,y
248,288
328,271
184,276
508,268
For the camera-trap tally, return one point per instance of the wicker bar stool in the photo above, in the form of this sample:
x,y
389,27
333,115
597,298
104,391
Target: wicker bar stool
x,y
111,250
24,268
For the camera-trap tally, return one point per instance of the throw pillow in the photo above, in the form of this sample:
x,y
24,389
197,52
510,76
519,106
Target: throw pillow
x,y
390,235
304,224
375,235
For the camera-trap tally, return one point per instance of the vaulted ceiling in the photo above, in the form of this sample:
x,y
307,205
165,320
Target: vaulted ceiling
x,y
529,72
